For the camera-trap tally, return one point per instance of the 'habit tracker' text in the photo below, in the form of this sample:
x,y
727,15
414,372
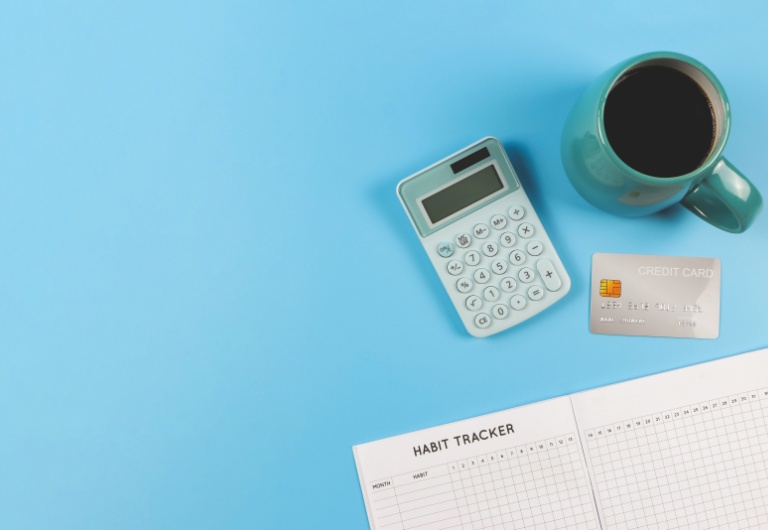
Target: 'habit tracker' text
x,y
464,439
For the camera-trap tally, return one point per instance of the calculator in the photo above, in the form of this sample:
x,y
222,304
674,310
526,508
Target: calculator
x,y
484,238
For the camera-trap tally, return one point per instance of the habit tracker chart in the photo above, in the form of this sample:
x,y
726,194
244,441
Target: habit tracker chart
x,y
542,483
699,466
682,449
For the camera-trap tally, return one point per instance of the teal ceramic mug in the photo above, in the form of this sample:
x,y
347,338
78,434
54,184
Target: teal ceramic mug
x,y
650,133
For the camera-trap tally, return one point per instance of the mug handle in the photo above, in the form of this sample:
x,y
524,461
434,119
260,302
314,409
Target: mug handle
x,y
725,199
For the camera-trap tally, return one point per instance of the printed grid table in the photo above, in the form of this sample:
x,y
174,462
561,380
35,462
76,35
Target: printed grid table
x,y
539,486
701,466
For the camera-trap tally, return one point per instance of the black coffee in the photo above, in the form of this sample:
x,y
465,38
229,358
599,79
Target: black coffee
x,y
659,121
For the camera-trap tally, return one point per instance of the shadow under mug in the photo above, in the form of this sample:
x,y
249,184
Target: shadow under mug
x,y
713,188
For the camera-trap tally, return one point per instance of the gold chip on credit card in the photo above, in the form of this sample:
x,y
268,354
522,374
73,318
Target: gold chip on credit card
x,y
610,288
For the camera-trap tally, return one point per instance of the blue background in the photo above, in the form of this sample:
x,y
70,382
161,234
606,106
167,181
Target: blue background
x,y
208,289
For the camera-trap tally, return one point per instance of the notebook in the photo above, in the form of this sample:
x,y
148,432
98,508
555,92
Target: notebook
x,y
681,449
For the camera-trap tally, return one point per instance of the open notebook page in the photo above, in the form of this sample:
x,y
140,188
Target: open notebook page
x,y
681,449
521,468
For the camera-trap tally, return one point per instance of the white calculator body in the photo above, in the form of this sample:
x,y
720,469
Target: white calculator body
x,y
484,238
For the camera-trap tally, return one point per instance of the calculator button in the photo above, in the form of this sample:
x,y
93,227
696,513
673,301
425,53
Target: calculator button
x,y
507,239
548,274
445,249
517,257
455,267
517,303
482,320
463,240
490,293
464,285
535,292
472,258
525,230
482,275
498,222
500,311
481,231
474,303
508,284
535,247
490,248
516,213
499,266
525,275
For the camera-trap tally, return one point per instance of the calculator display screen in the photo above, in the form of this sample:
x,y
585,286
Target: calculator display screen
x,y
463,193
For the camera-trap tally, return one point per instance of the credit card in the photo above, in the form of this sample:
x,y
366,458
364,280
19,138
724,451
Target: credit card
x,y
655,296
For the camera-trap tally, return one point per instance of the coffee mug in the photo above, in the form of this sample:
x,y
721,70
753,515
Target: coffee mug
x,y
649,133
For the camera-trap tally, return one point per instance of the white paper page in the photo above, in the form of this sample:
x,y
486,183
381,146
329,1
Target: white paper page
x,y
681,449
522,468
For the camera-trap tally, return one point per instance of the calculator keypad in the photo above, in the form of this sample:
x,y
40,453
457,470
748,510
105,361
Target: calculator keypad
x,y
500,266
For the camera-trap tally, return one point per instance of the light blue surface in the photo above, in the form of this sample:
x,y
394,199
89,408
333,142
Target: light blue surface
x,y
210,291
